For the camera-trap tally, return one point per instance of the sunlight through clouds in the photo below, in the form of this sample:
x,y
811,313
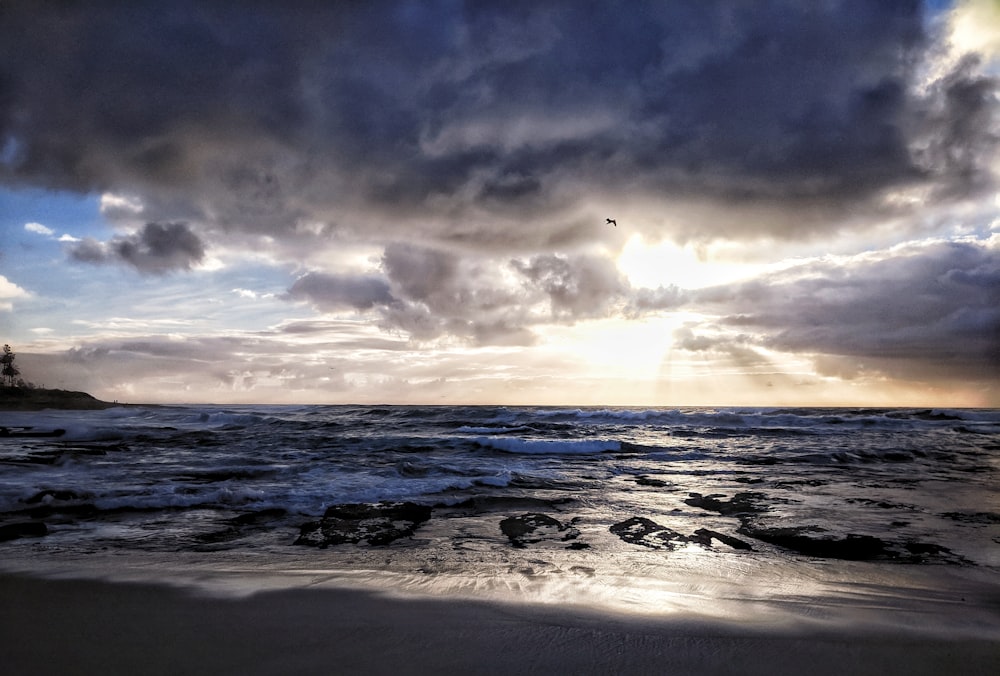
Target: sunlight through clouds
x,y
739,203
666,263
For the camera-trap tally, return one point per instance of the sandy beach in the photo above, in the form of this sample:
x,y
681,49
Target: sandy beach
x,y
92,627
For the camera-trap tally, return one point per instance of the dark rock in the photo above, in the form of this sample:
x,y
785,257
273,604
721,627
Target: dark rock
x,y
535,527
655,483
926,552
378,524
639,530
741,503
647,533
26,529
813,541
799,539
704,537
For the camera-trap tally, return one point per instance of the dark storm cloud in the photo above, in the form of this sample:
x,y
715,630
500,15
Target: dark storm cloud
x,y
962,131
451,120
440,293
577,287
928,312
428,293
157,248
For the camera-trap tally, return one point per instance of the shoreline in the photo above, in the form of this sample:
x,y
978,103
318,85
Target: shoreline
x,y
50,626
40,399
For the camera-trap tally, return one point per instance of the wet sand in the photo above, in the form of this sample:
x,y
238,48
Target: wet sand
x,y
59,626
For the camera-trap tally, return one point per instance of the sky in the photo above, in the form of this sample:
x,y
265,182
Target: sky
x,y
407,202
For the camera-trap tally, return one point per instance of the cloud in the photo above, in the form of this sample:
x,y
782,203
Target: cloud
x,y
8,292
490,126
333,292
928,311
441,293
429,293
577,287
975,24
48,232
661,298
156,249
39,229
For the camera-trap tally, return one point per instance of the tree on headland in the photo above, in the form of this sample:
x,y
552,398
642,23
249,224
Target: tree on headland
x,y
10,372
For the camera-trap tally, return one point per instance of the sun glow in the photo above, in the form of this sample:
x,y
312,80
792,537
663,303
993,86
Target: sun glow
x,y
665,263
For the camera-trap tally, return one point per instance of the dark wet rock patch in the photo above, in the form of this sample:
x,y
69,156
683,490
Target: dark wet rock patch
x,y
808,540
644,480
704,537
639,530
741,503
818,542
375,524
644,532
534,527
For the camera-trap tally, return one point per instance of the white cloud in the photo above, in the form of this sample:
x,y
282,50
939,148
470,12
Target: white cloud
x,y
8,292
112,203
975,26
46,231
39,229
253,295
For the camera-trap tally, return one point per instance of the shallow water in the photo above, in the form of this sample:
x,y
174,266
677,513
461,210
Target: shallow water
x,y
817,515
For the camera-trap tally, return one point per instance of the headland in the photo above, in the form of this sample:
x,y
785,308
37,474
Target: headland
x,y
38,398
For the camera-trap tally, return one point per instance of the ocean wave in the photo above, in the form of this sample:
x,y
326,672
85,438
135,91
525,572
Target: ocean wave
x,y
471,429
549,446
226,419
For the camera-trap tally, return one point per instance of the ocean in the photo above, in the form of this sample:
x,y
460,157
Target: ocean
x,y
889,517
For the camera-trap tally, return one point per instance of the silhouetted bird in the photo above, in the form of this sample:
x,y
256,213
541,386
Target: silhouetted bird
x,y
612,221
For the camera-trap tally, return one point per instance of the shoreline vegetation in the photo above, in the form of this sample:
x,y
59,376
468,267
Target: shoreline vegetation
x,y
39,398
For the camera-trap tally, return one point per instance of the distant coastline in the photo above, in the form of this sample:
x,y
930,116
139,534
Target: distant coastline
x,y
37,399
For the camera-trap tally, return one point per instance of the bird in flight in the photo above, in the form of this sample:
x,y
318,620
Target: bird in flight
x,y
612,221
